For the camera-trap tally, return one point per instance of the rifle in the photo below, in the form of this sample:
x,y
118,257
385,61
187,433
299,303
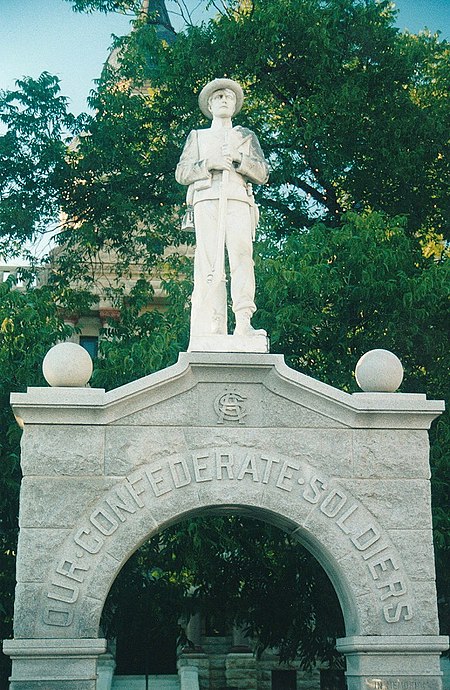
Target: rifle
x,y
217,273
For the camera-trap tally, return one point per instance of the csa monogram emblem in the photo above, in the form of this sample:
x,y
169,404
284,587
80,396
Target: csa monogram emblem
x,y
230,407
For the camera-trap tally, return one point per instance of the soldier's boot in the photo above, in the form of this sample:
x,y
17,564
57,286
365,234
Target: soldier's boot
x,y
243,325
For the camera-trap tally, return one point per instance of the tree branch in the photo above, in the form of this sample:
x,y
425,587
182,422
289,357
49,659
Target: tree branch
x,y
294,217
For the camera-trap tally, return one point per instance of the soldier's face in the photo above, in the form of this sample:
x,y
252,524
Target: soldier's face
x,y
222,103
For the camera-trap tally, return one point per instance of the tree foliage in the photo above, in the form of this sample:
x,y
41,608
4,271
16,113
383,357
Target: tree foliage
x,y
32,160
143,340
354,117
330,294
352,113
233,570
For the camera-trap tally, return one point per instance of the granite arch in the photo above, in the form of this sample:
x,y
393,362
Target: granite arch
x,y
345,538
347,474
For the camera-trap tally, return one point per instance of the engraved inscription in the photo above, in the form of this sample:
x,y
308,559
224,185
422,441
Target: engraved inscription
x,y
237,465
382,562
399,684
229,407
58,617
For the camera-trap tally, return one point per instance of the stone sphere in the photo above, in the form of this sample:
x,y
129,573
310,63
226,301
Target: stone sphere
x,y
379,371
67,365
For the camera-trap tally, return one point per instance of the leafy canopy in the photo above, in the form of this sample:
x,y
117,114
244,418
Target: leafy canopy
x,y
33,169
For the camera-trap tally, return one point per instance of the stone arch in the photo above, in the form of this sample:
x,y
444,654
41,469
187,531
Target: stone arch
x,y
348,475
345,537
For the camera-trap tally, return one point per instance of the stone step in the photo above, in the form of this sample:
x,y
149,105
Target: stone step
x,y
163,682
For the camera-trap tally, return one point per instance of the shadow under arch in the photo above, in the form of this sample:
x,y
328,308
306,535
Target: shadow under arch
x,y
141,611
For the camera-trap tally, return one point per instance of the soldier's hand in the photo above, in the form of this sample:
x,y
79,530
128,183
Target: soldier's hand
x,y
219,163
229,152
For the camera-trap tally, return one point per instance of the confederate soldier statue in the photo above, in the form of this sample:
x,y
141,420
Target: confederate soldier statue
x,y
219,165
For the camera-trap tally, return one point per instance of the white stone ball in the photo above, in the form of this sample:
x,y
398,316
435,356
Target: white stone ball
x,y
67,365
379,371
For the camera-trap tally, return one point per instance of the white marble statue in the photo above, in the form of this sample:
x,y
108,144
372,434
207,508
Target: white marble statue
x,y
219,165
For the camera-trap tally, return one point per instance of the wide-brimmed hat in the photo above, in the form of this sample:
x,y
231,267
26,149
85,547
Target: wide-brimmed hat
x,y
216,85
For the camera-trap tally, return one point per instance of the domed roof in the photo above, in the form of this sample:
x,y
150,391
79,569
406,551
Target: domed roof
x,y
155,13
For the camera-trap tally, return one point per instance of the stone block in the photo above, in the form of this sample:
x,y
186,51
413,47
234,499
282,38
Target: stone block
x,y
53,684
27,609
173,410
139,527
416,550
86,624
240,671
128,447
35,549
396,662
259,406
291,414
83,621
95,587
382,682
329,450
50,668
418,617
395,503
55,450
201,662
386,454
32,618
318,528
58,502
229,343
54,664
220,436
424,601
106,665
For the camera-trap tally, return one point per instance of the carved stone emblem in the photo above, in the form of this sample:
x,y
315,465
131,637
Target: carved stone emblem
x,y
229,407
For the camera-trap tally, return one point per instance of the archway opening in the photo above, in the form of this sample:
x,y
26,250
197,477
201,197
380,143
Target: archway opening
x,y
227,582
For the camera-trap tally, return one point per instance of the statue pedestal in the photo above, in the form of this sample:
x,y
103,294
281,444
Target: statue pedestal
x,y
393,662
229,343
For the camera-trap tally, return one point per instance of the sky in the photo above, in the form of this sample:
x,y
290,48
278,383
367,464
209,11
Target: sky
x,y
46,35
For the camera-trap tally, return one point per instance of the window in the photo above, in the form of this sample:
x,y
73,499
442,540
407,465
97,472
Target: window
x,y
284,680
90,343
332,680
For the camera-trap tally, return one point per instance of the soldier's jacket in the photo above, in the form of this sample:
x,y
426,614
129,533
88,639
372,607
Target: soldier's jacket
x,y
203,184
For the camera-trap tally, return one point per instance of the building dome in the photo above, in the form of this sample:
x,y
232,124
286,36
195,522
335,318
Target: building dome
x,y
155,14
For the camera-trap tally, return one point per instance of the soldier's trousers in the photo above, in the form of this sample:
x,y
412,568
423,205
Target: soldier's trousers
x,y
209,298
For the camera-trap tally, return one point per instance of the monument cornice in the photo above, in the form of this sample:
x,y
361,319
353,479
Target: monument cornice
x,y
74,406
385,644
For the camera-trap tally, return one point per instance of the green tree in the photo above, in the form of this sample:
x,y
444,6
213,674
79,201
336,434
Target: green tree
x,y
330,294
32,160
232,570
352,113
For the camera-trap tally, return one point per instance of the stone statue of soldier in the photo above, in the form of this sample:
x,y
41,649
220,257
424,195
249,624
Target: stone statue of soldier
x,y
219,165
